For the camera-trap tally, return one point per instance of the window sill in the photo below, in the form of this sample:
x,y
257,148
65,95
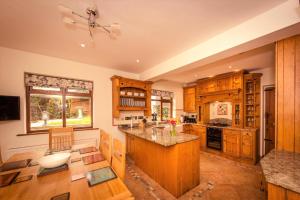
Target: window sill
x,y
46,132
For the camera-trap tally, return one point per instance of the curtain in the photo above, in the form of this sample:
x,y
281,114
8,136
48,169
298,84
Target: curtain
x,y
52,81
162,93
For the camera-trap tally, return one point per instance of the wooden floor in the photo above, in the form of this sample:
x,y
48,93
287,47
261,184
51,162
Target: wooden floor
x,y
220,178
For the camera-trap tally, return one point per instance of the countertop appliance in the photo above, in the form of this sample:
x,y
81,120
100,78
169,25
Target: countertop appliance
x,y
214,138
190,119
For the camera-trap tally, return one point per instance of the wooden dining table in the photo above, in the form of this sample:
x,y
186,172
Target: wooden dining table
x,y
48,186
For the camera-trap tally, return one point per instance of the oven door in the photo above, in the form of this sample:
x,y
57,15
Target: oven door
x,y
214,138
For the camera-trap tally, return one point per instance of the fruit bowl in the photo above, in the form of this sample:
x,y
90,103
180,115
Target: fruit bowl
x,y
54,160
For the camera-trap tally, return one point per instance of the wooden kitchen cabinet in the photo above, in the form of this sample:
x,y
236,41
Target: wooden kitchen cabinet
x,y
187,128
288,94
198,130
231,142
221,83
252,100
202,131
130,146
247,144
130,95
189,99
241,143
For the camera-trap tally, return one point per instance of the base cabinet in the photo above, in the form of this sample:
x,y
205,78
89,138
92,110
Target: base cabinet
x,y
202,131
169,166
231,142
247,144
130,146
198,130
241,143
278,193
237,142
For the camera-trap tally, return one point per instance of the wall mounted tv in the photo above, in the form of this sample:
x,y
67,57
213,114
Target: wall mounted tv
x,y
9,108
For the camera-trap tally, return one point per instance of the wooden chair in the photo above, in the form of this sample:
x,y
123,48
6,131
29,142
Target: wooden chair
x,y
118,158
61,138
105,145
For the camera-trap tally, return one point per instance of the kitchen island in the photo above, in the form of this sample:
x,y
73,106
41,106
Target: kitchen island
x,y
172,161
282,173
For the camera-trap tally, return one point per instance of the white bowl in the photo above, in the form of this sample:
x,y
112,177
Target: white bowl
x,y
54,160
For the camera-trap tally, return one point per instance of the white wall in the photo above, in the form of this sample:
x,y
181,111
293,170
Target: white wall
x,y
172,87
13,64
268,78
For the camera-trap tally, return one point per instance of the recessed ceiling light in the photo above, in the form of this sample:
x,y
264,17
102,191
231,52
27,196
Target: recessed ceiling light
x,y
82,45
196,75
137,60
229,66
210,76
236,70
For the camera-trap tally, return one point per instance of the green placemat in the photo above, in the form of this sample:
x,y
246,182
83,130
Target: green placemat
x,y
100,175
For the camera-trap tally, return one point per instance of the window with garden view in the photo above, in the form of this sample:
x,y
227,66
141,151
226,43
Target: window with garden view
x,y
162,107
49,107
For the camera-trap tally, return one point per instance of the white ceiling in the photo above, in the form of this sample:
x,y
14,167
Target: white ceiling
x,y
263,57
152,31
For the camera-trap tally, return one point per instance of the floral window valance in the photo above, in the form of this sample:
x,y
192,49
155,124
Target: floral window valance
x,y
162,93
51,81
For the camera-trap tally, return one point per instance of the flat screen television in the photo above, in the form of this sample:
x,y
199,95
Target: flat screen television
x,y
9,108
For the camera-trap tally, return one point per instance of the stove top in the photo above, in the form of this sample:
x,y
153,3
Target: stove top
x,y
217,124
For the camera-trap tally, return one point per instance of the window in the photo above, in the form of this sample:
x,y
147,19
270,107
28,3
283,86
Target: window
x,y
162,106
49,107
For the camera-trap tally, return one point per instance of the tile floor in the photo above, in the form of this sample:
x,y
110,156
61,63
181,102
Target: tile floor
x,y
220,179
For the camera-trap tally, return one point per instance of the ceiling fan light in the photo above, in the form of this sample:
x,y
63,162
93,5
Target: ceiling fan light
x,y
64,10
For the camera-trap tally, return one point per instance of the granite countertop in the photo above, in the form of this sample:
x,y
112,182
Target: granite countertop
x,y
282,169
162,137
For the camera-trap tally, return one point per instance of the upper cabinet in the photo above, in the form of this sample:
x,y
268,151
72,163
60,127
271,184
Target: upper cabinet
x,y
130,95
223,82
252,100
189,99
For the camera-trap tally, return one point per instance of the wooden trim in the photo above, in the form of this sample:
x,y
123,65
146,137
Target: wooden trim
x,y
287,94
120,77
234,91
221,76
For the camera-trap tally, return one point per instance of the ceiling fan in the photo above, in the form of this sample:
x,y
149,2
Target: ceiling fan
x,y
113,30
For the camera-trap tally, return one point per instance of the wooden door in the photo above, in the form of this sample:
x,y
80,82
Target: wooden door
x,y
269,119
247,145
231,142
